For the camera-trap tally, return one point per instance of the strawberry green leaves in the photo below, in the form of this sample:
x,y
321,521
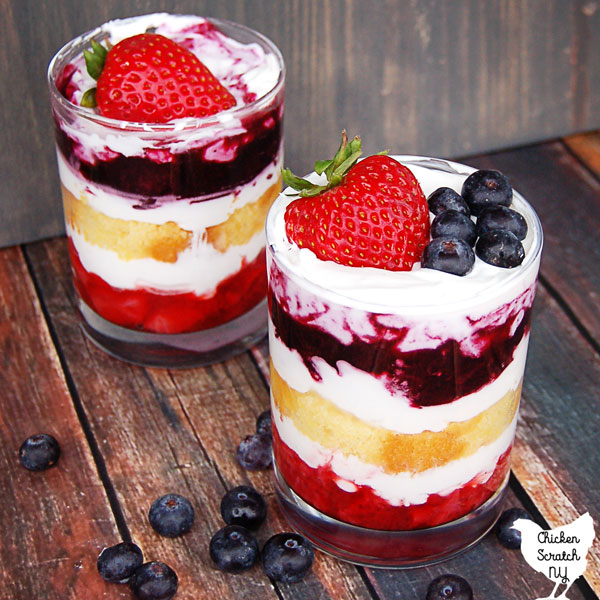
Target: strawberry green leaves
x,y
94,62
95,59
335,169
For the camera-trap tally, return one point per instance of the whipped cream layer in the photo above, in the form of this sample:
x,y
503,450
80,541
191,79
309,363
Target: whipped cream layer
x,y
244,69
249,71
399,489
449,302
368,399
200,267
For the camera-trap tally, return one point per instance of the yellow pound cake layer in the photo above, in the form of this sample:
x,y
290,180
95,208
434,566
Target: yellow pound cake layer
x,y
129,239
134,239
333,428
244,223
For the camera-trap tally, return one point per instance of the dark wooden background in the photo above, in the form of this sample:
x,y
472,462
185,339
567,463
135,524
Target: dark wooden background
x,y
446,77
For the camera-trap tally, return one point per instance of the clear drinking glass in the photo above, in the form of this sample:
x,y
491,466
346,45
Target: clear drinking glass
x,y
165,222
395,395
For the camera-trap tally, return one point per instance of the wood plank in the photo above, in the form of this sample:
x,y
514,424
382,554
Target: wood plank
x,y
565,195
228,397
164,431
437,78
551,501
557,458
54,523
586,147
492,571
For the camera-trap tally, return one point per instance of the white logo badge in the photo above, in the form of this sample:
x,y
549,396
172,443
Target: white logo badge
x,y
560,554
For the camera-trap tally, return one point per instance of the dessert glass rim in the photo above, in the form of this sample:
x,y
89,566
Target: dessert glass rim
x,y
441,164
74,47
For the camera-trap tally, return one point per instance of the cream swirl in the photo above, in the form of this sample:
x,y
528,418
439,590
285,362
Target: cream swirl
x,y
419,291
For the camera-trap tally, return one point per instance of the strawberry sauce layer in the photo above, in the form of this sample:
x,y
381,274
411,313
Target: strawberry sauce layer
x,y
190,174
427,376
152,311
365,508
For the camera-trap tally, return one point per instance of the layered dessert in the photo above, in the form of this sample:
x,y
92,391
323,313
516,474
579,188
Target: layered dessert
x,y
165,220
395,392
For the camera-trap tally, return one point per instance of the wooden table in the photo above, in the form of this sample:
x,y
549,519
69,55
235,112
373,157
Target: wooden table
x,y
130,434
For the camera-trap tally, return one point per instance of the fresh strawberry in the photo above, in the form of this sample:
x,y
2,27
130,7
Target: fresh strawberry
x,y
148,78
371,213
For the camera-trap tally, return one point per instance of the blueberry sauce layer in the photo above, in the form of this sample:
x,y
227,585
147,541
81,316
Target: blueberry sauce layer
x,y
427,376
187,174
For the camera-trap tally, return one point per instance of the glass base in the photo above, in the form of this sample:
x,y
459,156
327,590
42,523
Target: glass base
x,y
174,351
387,549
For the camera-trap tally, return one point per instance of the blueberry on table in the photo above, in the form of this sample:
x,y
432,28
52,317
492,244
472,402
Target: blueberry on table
x,y
154,581
118,563
507,536
502,217
453,224
287,557
171,515
255,451
263,422
39,452
446,198
500,248
244,506
233,549
449,587
453,256
484,188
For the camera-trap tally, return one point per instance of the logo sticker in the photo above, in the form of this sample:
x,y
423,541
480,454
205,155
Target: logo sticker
x,y
560,554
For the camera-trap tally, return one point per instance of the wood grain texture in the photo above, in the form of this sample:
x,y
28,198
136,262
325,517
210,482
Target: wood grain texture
x,y
162,431
492,570
558,417
586,147
55,522
430,77
552,501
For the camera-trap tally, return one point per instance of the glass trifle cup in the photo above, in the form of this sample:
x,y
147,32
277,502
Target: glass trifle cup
x,y
395,395
165,221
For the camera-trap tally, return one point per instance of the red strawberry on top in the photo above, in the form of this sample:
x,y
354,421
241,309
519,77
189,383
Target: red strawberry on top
x,y
371,213
148,78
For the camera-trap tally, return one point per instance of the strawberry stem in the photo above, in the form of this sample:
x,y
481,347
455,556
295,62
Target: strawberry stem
x,y
335,169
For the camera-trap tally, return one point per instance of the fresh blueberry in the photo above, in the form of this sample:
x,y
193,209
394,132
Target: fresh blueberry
x,y
244,506
508,537
449,587
446,198
117,563
39,452
500,248
154,581
233,549
255,451
484,188
171,515
502,217
452,224
263,423
287,557
448,255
